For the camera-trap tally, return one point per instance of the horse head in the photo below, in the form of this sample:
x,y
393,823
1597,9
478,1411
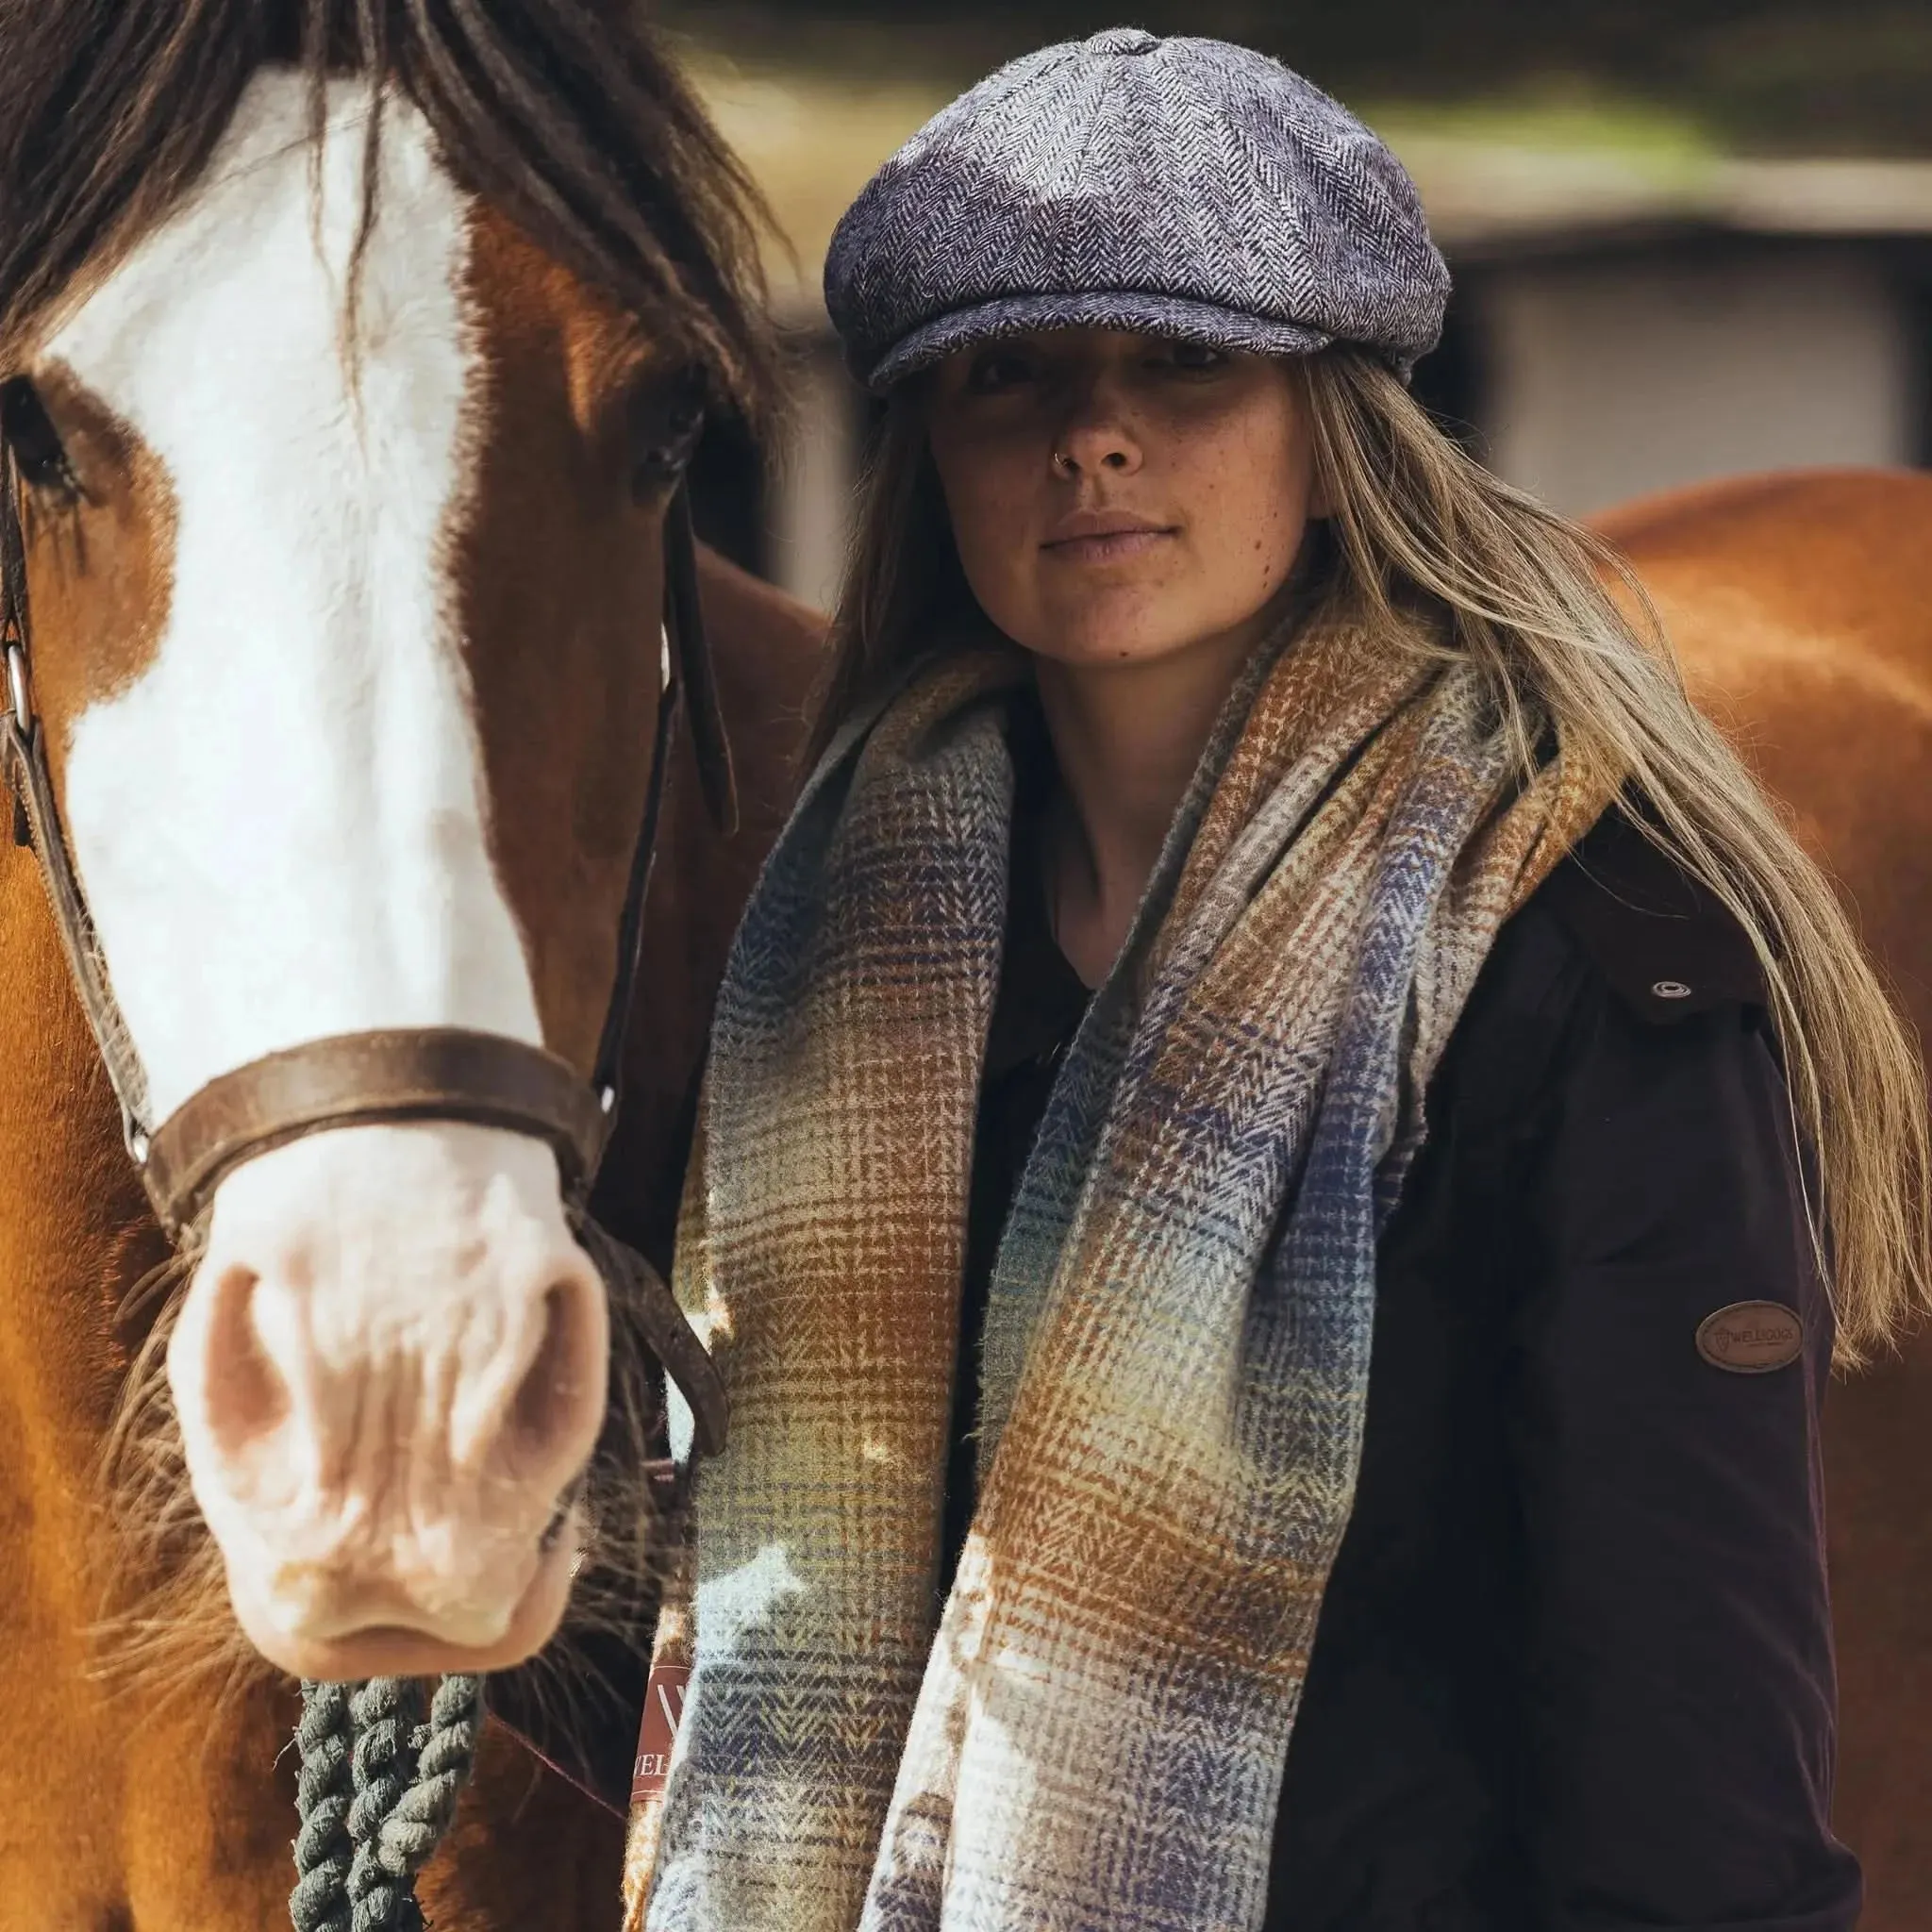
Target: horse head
x,y
346,388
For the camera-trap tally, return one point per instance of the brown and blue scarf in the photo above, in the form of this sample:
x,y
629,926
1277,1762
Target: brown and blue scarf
x,y
1090,1731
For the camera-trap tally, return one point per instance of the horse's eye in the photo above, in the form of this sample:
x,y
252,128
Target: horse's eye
x,y
28,430
666,426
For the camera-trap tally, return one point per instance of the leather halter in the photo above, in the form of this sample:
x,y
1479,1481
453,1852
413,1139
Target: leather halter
x,y
411,1073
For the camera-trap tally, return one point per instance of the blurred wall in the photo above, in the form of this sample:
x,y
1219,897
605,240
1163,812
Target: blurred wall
x,y
814,477
1606,379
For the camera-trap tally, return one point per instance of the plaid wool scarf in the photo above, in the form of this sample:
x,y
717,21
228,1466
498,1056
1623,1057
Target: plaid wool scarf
x,y
1090,1731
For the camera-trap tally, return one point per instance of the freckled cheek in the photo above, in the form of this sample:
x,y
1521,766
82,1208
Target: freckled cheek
x,y
1249,513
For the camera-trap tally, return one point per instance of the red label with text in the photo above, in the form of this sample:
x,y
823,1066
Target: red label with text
x,y
663,1713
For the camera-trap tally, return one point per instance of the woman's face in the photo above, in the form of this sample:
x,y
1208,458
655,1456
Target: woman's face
x,y
1120,498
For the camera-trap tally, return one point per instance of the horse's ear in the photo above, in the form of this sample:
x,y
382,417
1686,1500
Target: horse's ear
x,y
685,619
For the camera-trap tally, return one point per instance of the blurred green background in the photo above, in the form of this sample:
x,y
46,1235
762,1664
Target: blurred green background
x,y
1853,79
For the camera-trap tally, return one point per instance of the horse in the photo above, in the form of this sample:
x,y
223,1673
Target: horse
x,y
351,355
1800,607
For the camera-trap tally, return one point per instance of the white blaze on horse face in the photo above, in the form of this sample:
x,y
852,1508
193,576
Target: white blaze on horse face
x,y
280,827
281,824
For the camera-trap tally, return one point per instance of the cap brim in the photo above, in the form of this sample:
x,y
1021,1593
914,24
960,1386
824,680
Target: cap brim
x,y
1173,316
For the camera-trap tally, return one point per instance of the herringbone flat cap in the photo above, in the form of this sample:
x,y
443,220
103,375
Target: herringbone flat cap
x,y
1182,187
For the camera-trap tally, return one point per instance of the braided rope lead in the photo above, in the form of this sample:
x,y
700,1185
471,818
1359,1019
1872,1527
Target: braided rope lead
x,y
377,1791
319,1902
384,1713
445,1754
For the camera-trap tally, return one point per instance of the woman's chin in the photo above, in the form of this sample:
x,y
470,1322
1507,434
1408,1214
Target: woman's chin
x,y
1137,640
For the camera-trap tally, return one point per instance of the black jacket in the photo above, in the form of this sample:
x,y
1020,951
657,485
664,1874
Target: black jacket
x,y
1573,1671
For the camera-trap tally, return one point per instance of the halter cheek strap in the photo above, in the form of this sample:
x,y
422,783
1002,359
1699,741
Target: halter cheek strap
x,y
35,823
411,1073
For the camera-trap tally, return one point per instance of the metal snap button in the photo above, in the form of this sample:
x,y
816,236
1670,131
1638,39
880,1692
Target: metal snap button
x,y
1671,990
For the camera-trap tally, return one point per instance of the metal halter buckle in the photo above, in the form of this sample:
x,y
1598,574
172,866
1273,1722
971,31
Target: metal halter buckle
x,y
19,716
17,704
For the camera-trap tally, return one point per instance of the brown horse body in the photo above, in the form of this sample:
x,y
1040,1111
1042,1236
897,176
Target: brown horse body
x,y
1802,609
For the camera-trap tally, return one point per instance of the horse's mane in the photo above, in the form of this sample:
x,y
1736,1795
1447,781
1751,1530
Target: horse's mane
x,y
565,114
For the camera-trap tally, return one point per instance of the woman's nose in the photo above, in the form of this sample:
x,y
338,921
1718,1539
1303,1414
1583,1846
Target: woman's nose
x,y
1092,443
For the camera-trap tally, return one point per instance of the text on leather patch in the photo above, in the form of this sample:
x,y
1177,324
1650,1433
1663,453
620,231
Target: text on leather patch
x,y
663,1713
1751,1338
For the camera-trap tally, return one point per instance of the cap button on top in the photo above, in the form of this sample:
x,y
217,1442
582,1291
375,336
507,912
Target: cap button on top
x,y
1124,40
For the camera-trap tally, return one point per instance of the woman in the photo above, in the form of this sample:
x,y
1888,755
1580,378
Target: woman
x,y
1248,1137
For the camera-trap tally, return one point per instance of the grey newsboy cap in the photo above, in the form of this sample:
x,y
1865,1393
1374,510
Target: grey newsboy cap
x,y
1182,187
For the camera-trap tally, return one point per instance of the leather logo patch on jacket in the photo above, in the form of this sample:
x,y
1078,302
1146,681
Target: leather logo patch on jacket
x,y
1751,1338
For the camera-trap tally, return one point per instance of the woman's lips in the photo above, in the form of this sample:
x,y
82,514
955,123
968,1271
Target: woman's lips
x,y
1107,546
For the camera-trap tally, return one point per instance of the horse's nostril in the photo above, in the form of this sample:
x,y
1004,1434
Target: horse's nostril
x,y
247,1395
549,1399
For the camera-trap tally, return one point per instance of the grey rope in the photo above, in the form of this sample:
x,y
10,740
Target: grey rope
x,y
319,1902
377,1790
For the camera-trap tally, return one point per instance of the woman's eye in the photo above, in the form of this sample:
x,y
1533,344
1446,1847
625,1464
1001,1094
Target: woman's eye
x,y
998,369
28,431
1196,355
666,426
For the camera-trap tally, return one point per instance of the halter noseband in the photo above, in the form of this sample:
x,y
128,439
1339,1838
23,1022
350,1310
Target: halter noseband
x,y
407,1074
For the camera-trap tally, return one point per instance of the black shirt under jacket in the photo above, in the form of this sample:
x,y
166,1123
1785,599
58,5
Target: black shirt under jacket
x,y
1574,1669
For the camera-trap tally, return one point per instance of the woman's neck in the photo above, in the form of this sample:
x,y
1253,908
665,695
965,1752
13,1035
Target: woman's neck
x,y
1127,739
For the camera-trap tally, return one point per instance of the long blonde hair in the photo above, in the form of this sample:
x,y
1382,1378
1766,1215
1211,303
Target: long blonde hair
x,y
1514,589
